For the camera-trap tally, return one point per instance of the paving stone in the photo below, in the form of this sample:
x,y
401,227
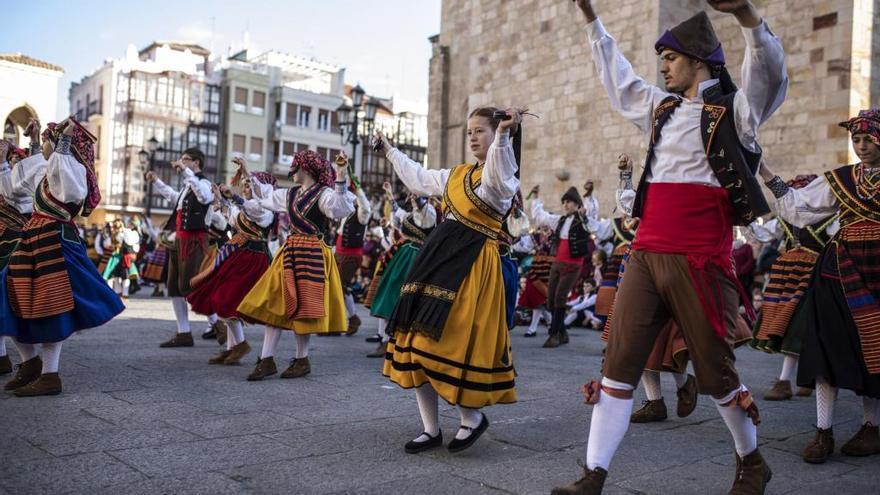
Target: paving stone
x,y
64,474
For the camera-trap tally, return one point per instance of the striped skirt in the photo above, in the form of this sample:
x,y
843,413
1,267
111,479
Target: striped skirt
x,y
156,270
789,278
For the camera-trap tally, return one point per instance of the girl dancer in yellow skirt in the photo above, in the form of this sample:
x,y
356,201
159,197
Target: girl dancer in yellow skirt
x,y
304,272
449,328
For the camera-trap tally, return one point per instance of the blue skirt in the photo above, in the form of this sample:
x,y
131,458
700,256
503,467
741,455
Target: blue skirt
x,y
94,301
510,272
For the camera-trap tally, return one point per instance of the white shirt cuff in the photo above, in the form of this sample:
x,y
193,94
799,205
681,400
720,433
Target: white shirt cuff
x,y
596,30
757,36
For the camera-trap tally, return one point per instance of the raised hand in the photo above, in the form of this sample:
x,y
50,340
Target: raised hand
x,y
150,176
341,158
624,162
514,120
729,6
586,7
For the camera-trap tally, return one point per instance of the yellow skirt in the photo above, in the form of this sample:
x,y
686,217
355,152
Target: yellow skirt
x,y
471,365
265,301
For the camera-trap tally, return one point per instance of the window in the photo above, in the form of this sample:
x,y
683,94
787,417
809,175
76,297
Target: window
x,y
238,144
301,147
324,152
256,148
241,98
259,103
290,115
304,113
288,149
324,120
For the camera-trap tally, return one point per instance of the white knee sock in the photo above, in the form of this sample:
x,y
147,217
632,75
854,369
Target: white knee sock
x,y
536,318
230,335
470,418
236,330
608,425
26,351
302,346
271,336
680,379
382,324
126,287
826,396
548,316
51,355
426,397
651,382
3,351
789,365
213,318
744,432
181,312
871,408
349,305
569,318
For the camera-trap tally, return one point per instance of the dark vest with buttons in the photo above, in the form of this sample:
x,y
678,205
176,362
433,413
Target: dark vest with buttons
x,y
734,165
578,237
193,212
353,231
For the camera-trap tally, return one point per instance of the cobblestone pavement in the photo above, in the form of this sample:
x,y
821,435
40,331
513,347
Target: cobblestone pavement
x,y
134,418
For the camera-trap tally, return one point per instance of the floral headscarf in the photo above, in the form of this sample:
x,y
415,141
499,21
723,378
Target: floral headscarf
x,y
83,147
866,122
316,166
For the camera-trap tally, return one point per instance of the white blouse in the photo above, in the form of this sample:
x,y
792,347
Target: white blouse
x,y
335,203
66,176
18,184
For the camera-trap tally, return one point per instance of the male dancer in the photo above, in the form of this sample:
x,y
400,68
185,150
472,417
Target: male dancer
x,y
350,250
191,236
699,181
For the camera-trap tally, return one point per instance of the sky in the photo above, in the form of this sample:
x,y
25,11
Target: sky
x,y
383,44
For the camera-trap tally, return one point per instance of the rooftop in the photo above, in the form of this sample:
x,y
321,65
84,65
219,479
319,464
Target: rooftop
x,y
18,58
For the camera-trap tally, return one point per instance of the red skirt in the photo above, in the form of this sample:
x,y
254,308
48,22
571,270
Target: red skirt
x,y
534,296
223,290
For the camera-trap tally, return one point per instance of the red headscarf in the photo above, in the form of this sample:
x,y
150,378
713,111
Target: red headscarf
x,y
316,166
866,122
83,147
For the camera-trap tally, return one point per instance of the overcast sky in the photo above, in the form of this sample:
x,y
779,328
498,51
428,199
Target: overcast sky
x,y
382,44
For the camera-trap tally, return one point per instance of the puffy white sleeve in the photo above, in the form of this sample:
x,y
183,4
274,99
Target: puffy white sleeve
x,y
425,218
808,205
200,187
166,191
256,213
216,219
66,176
336,203
365,210
625,198
398,216
418,179
5,180
276,201
541,217
499,183
628,93
26,176
769,231
602,229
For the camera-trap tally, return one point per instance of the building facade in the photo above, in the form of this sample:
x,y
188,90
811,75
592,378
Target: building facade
x,y
535,53
30,90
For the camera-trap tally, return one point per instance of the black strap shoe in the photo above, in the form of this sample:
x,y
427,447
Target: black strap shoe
x,y
457,445
414,447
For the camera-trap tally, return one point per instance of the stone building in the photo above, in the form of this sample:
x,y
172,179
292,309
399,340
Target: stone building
x,y
535,53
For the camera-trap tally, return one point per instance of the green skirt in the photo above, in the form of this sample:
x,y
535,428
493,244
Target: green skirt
x,y
392,281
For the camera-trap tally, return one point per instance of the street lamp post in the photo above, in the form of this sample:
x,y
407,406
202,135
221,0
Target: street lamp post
x,y
349,117
147,157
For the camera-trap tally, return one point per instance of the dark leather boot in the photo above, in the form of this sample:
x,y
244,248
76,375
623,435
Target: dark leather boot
x,y
28,371
298,368
752,475
265,367
179,340
219,358
590,484
781,390
379,352
46,384
354,323
237,352
865,442
687,398
651,412
818,451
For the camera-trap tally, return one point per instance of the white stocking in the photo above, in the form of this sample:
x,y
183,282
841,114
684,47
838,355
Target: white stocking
x,y
680,379
181,312
271,336
213,318
569,318
236,331
744,432
426,397
608,425
871,410
651,382
536,318
51,355
826,396
349,305
26,351
302,345
789,365
470,418
382,324
126,286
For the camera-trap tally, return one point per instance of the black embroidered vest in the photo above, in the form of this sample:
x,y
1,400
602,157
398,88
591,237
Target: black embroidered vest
x,y
578,237
734,165
193,212
353,231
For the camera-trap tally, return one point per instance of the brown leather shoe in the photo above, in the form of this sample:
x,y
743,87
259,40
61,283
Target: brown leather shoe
x,y
687,398
298,368
804,392
219,358
158,292
865,442
781,390
265,367
237,352
5,364
46,384
563,336
590,484
354,323
179,340
28,371
651,411
818,451
552,341
379,352
752,475
222,331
